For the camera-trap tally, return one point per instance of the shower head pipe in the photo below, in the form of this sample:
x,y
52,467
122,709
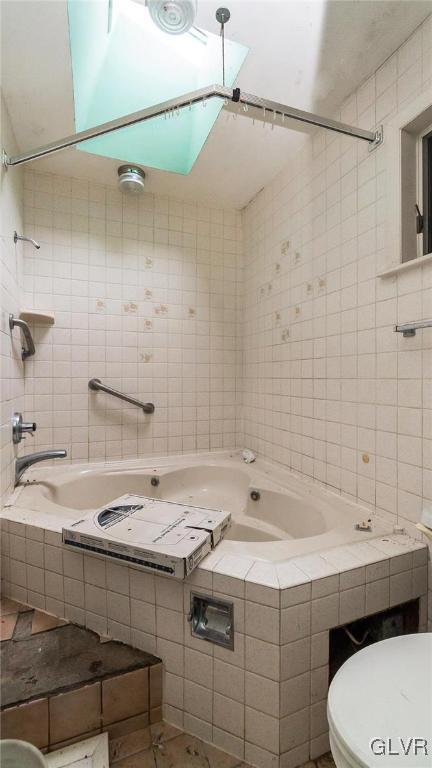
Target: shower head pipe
x,y
254,107
17,237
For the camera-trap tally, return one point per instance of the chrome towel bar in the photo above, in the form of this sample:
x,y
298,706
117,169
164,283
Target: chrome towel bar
x,y
96,385
29,348
409,329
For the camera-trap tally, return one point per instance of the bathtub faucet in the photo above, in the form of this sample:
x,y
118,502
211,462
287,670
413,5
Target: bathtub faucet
x,y
24,462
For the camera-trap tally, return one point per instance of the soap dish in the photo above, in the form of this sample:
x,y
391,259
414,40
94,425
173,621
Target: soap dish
x,y
38,316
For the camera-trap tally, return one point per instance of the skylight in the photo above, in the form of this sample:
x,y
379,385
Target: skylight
x,y
121,62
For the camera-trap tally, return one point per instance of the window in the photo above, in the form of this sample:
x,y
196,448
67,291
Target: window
x,y
424,213
406,157
416,186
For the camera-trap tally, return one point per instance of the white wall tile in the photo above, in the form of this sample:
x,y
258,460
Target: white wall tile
x,y
295,658
198,701
262,694
318,333
229,680
141,300
228,715
262,730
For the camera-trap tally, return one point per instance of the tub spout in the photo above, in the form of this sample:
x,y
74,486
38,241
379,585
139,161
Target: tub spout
x,y
24,462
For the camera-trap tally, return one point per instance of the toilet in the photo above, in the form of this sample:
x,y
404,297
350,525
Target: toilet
x,y
380,706
15,753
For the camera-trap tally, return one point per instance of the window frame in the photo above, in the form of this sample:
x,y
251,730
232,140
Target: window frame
x,y
398,158
424,190
415,144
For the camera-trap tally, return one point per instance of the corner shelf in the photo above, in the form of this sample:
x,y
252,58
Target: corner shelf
x,y
39,316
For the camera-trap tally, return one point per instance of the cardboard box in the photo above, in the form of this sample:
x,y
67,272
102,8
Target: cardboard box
x,y
156,535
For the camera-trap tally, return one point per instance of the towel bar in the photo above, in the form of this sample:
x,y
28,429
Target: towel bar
x,y
409,329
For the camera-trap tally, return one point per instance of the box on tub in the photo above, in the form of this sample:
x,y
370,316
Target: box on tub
x,y
155,535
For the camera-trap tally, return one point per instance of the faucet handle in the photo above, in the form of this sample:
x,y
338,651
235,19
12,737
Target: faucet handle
x,y
28,426
20,427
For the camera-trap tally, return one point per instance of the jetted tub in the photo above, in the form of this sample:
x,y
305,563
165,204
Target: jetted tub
x,y
275,514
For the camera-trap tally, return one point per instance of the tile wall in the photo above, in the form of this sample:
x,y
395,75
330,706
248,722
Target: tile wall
x,y
148,296
329,389
265,700
11,278
118,704
145,296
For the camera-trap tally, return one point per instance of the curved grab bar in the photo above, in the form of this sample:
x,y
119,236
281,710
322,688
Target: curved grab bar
x,y
96,384
29,349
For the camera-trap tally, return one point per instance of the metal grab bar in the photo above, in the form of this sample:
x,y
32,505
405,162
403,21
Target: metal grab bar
x,y
96,385
29,349
409,329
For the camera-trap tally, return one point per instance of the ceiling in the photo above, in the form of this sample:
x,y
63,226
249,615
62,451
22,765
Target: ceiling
x,y
309,54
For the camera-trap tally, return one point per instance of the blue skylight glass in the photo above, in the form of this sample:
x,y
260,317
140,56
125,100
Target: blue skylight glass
x,y
125,64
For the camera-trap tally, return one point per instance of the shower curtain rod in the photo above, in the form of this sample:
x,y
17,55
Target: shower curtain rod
x,y
253,107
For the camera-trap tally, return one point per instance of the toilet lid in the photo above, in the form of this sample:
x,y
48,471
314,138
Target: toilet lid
x,y
380,703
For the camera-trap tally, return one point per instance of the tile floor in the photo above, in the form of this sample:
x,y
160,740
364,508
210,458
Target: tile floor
x,y
60,683
9,612
158,746
163,746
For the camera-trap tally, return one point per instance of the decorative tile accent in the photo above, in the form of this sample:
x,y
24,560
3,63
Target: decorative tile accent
x,y
131,308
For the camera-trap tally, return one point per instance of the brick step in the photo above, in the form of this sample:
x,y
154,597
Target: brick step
x,y
60,683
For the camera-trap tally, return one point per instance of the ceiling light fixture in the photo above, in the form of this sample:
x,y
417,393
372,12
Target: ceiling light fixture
x,y
131,179
173,16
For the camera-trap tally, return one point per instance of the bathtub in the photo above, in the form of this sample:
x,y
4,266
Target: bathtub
x,y
276,515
